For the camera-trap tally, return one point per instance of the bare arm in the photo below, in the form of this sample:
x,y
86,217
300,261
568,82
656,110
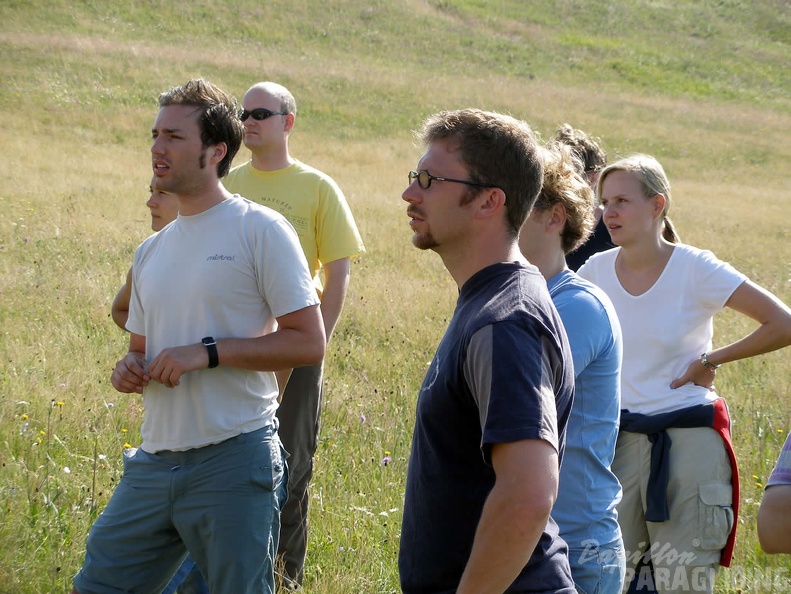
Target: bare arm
x,y
299,340
336,283
773,333
120,308
774,520
514,515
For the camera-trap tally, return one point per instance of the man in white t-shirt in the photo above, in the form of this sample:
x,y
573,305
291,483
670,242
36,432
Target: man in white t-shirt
x,y
207,291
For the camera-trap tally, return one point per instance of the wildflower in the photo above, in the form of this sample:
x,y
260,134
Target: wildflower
x,y
102,457
127,446
42,432
387,459
26,240
124,430
67,470
362,418
759,485
60,403
25,417
63,385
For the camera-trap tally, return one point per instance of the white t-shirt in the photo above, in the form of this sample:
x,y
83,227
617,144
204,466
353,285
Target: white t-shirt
x,y
668,326
226,272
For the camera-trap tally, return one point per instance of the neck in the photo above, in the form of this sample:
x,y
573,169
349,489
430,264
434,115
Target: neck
x,y
463,264
268,160
197,202
645,254
549,263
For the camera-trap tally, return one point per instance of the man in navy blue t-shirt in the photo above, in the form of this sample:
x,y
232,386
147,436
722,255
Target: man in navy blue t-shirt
x,y
493,408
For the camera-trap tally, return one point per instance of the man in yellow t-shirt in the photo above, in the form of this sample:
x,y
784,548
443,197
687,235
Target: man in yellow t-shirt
x,y
314,204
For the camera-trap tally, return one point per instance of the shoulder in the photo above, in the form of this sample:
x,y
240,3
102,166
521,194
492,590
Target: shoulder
x,y
703,261
238,170
598,262
254,213
575,297
324,180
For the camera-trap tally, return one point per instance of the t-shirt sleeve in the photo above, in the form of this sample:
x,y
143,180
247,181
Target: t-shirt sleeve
x,y
283,277
337,234
135,321
781,475
587,326
716,279
510,371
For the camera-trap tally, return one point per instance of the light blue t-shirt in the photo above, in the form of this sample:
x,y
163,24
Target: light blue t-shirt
x,y
589,492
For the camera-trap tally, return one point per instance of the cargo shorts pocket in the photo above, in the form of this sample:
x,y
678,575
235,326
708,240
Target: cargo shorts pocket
x,y
715,514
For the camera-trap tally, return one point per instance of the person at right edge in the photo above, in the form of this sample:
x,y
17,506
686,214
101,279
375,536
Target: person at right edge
x,y
674,456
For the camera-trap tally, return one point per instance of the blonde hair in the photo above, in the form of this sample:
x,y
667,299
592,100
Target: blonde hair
x,y
564,185
653,180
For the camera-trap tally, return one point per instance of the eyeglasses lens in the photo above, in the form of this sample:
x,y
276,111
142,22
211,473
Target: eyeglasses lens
x,y
422,177
259,114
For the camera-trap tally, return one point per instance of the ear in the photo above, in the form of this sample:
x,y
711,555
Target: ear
x,y
491,201
659,204
289,122
556,218
218,152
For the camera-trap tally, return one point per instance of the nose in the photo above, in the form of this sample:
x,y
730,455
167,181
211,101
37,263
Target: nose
x,y
153,201
156,146
412,193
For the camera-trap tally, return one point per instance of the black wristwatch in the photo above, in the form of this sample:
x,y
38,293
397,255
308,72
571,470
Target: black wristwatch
x,y
211,346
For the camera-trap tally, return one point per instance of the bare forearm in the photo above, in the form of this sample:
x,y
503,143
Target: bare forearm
x,y
774,331
336,283
283,349
299,340
514,515
506,537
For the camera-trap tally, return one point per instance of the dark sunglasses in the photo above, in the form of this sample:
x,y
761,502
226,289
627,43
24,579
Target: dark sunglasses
x,y
260,113
424,179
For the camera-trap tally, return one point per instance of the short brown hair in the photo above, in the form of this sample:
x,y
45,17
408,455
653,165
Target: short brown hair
x,y
498,150
218,119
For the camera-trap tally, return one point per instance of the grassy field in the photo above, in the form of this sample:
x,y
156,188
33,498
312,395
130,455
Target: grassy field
x,y
702,85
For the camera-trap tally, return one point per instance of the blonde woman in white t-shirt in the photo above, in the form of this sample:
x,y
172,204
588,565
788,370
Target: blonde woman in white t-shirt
x,y
674,458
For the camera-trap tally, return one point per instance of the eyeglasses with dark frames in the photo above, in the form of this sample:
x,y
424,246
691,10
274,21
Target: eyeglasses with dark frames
x,y
424,179
260,113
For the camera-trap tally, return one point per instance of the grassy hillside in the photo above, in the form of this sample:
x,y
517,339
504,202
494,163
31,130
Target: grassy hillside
x,y
703,85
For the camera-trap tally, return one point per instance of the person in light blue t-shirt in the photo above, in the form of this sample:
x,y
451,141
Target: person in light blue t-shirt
x,y
589,492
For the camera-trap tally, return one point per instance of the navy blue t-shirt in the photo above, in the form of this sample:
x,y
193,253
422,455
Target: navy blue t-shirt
x,y
502,373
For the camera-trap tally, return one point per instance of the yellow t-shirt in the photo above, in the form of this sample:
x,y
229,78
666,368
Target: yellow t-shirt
x,y
313,204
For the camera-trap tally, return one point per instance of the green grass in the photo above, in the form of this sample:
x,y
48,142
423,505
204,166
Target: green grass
x,y
703,85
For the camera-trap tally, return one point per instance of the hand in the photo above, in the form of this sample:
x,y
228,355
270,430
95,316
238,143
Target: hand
x,y
169,365
697,373
130,374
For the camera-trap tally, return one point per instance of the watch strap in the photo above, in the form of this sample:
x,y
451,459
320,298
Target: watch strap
x,y
211,347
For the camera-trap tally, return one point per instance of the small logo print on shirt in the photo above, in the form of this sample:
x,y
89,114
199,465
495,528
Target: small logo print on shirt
x,y
221,257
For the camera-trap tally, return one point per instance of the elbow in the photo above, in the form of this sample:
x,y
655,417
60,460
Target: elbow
x,y
314,347
533,514
774,526
316,353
